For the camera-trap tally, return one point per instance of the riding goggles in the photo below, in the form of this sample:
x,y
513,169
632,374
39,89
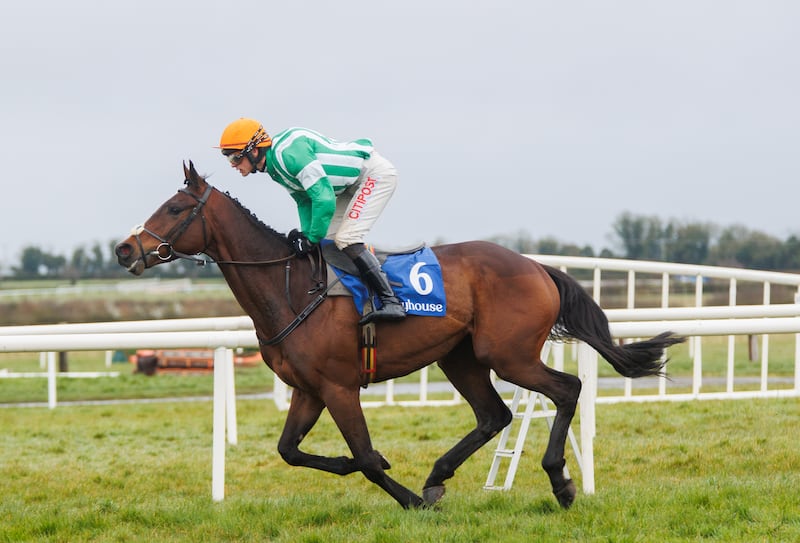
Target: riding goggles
x,y
234,156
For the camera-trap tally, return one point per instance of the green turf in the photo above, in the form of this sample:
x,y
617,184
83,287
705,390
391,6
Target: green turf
x,y
699,471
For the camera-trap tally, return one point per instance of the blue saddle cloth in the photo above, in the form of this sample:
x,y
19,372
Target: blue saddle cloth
x,y
416,279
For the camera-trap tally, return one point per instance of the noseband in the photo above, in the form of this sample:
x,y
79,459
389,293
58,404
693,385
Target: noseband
x,y
165,251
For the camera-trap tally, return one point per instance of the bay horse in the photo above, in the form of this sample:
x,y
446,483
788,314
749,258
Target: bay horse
x,y
501,308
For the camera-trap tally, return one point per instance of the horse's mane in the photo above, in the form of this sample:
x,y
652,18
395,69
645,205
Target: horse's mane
x,y
268,230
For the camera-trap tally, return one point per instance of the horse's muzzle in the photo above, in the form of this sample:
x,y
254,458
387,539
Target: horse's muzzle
x,y
127,258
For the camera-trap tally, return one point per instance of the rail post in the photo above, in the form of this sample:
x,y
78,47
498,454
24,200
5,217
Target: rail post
x,y
218,434
587,371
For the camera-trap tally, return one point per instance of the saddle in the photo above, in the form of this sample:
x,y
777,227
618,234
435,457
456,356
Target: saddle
x,y
333,256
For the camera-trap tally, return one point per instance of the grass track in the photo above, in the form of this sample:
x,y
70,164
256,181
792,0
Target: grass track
x,y
701,471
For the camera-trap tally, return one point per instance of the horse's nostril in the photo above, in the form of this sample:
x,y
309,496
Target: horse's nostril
x,y
123,250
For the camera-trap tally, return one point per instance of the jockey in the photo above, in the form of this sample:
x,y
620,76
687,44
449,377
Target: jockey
x,y
340,189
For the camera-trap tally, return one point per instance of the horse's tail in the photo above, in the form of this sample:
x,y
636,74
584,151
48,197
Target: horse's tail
x,y
581,318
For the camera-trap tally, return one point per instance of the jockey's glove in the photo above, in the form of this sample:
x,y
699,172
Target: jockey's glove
x,y
299,242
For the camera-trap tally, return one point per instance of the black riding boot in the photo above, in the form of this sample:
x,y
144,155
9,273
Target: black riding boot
x,y
391,309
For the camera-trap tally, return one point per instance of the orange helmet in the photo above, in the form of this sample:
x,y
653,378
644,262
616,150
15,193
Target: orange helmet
x,y
244,134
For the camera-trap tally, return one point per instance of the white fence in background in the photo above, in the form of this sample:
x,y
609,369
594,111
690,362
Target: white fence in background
x,y
224,334
673,277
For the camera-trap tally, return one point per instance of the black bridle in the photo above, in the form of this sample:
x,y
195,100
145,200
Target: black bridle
x,y
166,252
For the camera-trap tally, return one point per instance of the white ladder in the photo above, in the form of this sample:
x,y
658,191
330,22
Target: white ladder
x,y
547,411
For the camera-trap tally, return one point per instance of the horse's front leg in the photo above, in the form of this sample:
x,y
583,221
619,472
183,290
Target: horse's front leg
x,y
304,411
344,406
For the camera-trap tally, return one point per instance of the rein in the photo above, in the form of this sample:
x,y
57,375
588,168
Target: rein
x,y
166,252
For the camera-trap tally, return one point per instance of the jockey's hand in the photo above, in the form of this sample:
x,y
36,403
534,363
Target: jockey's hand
x,y
299,242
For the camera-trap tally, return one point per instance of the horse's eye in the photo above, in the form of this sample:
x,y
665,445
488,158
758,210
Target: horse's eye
x,y
174,210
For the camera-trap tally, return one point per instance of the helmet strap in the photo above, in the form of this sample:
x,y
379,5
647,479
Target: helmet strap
x,y
252,145
260,152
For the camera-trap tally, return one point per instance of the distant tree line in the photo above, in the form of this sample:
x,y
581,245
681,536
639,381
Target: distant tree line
x,y
643,237
635,237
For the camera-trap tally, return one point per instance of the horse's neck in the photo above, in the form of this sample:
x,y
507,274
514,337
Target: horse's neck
x,y
257,287
239,236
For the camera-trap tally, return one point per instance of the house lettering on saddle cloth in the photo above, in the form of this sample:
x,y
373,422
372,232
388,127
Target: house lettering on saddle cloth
x,y
416,279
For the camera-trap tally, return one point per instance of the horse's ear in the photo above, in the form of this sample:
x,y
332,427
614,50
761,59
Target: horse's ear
x,y
190,174
192,171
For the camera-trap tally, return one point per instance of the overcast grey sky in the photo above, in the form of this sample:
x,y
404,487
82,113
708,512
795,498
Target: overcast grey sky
x,y
551,118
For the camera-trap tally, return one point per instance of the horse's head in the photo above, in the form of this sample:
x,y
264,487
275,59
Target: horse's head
x,y
177,229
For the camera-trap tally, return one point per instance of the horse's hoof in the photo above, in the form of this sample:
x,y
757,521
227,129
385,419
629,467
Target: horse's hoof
x,y
566,495
415,502
432,494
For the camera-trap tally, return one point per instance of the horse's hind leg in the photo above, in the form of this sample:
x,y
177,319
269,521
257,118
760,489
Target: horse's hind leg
x,y
473,383
563,389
